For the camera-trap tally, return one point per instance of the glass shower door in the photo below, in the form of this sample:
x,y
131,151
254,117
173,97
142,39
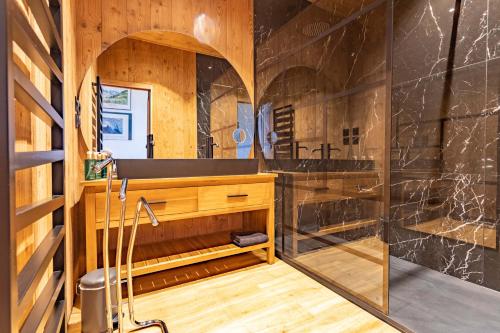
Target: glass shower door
x,y
330,201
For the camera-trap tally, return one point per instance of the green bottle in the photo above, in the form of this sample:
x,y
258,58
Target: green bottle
x,y
89,166
98,158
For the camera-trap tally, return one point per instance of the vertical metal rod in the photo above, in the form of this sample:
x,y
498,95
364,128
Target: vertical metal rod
x,y
119,244
130,252
105,249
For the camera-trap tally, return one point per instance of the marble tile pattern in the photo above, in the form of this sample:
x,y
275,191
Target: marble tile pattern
x,y
329,66
218,89
445,131
444,135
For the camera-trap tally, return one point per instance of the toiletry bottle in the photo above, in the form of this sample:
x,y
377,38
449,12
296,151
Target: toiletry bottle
x,y
89,166
98,158
104,172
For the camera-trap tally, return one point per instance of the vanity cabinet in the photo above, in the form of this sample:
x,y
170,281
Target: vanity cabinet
x,y
310,199
186,206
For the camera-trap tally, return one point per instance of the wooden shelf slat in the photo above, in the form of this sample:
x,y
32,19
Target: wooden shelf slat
x,y
157,257
45,20
56,319
29,214
26,160
28,95
34,270
27,39
358,224
39,315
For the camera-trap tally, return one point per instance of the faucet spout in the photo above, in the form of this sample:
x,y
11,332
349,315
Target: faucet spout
x,y
151,214
142,202
101,165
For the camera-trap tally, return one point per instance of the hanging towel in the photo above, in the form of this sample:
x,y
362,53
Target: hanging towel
x,y
243,239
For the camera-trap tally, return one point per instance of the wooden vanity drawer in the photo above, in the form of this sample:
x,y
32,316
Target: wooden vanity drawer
x,y
162,201
229,196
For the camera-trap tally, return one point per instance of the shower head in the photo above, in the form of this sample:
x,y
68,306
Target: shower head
x,y
151,214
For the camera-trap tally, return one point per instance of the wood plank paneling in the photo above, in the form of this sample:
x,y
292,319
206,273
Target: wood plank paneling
x,y
112,27
73,173
88,35
161,14
225,25
172,75
138,15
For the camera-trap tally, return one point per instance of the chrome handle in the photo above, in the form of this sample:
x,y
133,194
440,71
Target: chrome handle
x,y
237,195
157,202
321,189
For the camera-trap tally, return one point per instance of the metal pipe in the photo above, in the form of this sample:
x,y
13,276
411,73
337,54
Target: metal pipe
x,y
130,251
119,245
105,240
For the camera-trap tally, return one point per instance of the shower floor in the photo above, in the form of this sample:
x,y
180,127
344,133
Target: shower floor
x,y
425,300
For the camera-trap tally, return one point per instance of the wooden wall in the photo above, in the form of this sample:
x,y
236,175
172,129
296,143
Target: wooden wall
x,y
225,25
73,151
90,27
172,75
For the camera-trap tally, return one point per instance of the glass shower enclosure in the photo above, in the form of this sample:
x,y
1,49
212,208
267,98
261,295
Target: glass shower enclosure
x,y
322,87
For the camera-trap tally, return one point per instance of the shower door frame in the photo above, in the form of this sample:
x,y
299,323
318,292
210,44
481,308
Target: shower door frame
x,y
385,216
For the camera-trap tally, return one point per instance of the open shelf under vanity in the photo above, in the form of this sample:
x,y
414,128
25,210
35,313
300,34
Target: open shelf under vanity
x,y
155,257
196,215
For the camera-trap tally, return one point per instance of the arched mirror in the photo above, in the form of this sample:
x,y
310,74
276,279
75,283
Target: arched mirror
x,y
165,95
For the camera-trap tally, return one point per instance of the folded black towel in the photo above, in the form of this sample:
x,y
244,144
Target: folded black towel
x,y
243,239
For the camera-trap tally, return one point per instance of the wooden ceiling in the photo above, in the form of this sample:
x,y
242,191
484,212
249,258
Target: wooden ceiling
x,y
176,41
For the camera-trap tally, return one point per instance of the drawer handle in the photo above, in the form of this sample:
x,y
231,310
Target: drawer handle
x,y
157,202
237,195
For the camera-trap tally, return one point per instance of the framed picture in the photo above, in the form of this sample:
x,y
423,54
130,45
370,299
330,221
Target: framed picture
x,y
116,126
115,98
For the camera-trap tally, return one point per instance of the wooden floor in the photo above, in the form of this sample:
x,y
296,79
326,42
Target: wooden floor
x,y
357,267
244,294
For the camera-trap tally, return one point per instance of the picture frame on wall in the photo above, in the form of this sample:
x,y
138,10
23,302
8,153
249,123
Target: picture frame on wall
x,y
117,126
116,98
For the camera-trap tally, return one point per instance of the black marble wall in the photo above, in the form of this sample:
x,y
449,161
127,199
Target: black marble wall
x,y
445,130
218,90
320,83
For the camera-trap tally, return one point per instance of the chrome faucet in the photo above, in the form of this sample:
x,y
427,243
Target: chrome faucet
x,y
119,244
108,164
298,147
321,149
329,149
130,251
325,150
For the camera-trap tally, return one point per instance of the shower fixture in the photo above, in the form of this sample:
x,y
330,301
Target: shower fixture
x,y
154,221
108,164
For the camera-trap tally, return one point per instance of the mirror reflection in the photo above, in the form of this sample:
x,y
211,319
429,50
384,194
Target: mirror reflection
x,y
166,96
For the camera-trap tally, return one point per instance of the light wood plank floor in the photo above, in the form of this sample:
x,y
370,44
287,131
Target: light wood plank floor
x,y
259,298
361,272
